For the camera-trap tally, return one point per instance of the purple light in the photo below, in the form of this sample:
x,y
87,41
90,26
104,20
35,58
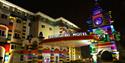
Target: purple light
x,y
113,47
96,12
95,0
98,21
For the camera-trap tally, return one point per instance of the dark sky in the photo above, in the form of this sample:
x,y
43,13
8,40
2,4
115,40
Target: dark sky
x,y
76,11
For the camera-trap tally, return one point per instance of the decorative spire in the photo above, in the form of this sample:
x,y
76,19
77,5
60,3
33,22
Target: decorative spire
x,y
96,0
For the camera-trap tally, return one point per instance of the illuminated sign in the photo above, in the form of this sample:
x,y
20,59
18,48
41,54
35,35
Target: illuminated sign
x,y
68,34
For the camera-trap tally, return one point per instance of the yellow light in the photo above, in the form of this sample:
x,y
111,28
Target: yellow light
x,y
2,50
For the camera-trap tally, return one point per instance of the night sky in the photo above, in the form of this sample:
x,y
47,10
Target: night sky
x,y
76,11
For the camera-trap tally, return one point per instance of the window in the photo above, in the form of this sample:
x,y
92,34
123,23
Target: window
x,y
23,33
24,26
18,21
10,30
2,33
16,35
29,24
13,46
50,28
9,37
23,37
3,16
24,30
11,23
21,58
43,26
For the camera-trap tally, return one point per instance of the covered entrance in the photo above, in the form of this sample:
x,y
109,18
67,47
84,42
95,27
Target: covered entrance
x,y
106,56
72,45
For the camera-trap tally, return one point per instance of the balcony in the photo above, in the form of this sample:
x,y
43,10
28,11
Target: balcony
x,y
2,39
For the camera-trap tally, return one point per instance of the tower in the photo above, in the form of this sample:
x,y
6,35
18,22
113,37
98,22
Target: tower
x,y
102,26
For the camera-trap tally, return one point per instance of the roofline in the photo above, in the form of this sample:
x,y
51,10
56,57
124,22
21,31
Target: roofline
x,y
38,13
46,16
15,6
65,20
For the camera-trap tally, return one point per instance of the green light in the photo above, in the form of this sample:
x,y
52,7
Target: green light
x,y
117,36
92,48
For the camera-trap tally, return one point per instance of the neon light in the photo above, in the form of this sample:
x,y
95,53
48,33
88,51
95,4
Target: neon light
x,y
7,47
6,58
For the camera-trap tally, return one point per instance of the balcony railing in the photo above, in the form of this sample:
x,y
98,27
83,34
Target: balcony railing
x,y
16,14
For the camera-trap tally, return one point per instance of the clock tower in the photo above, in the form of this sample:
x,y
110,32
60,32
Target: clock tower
x,y
99,17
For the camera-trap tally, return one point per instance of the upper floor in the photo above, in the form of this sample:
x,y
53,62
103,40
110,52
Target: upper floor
x,y
25,22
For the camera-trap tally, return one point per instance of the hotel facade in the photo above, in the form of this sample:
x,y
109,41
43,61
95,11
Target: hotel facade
x,y
17,23
36,37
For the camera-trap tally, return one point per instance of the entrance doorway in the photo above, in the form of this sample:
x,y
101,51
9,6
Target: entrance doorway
x,y
106,56
56,58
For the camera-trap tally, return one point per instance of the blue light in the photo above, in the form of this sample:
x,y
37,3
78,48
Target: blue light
x,y
6,58
112,28
98,21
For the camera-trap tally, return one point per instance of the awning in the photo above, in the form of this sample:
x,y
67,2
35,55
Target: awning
x,y
70,41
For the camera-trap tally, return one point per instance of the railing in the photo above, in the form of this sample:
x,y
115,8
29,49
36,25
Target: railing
x,y
67,35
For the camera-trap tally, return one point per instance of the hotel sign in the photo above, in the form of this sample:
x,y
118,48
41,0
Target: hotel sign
x,y
68,35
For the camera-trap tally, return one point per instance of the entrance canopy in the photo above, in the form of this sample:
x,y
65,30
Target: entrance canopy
x,y
70,41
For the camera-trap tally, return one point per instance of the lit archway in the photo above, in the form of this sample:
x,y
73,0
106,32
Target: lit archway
x,y
2,53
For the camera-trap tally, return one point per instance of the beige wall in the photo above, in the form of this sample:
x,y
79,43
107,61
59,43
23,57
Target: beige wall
x,y
56,30
46,31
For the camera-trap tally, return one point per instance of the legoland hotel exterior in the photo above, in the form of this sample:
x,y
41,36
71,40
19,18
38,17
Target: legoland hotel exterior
x,y
26,37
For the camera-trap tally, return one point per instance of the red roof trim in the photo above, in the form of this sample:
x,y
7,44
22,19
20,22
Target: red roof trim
x,y
69,38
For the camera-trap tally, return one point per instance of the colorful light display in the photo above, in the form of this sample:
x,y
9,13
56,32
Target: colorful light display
x,y
103,28
98,21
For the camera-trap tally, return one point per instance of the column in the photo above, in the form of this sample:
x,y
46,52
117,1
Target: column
x,y
61,54
52,55
94,58
24,30
68,54
40,57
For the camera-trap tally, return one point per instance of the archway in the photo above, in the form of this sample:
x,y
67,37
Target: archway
x,y
106,56
2,53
